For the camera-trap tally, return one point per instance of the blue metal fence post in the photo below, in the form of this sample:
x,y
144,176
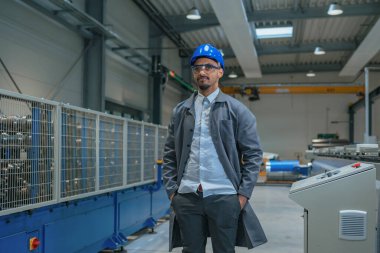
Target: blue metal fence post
x,y
35,153
64,153
74,162
49,149
151,222
116,156
84,155
101,154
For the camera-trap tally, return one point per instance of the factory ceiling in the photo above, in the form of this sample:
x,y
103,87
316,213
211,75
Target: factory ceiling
x,y
346,42
350,40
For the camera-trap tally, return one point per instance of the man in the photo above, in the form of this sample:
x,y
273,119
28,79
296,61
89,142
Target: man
x,y
211,163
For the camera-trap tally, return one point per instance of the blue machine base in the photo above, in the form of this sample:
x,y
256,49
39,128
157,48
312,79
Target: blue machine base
x,y
84,225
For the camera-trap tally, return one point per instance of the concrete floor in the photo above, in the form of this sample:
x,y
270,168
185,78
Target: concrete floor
x,y
279,216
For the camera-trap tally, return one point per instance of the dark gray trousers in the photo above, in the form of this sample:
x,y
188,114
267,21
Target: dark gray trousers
x,y
196,216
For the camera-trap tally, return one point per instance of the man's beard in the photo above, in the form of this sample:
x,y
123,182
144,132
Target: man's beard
x,y
204,86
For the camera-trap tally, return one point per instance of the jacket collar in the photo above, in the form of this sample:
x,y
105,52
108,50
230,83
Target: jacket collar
x,y
190,101
221,97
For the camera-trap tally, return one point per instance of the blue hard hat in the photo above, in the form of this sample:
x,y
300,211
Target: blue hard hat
x,y
207,51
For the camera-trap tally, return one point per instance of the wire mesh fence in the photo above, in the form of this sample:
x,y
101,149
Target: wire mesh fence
x,y
161,135
134,165
26,152
110,152
51,152
78,152
149,151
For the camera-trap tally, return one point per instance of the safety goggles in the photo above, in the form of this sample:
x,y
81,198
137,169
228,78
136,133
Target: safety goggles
x,y
205,67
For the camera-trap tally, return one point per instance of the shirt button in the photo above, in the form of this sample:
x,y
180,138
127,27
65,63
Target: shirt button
x,y
188,145
191,130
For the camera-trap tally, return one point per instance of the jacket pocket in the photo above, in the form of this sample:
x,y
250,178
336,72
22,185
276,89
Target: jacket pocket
x,y
227,131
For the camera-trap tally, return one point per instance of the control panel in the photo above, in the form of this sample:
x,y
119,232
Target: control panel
x,y
331,175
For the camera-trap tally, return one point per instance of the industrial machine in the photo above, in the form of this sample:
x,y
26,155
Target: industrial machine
x,y
75,180
341,205
286,170
327,142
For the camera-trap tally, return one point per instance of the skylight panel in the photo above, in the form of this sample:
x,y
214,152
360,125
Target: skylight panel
x,y
274,32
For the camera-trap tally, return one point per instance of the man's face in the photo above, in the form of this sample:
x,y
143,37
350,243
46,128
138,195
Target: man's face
x,y
206,74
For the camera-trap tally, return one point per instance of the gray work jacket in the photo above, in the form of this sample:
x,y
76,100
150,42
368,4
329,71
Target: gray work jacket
x,y
233,132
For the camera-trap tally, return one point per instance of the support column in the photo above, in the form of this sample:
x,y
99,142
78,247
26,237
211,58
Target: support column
x,y
370,102
366,101
155,82
156,89
94,62
351,123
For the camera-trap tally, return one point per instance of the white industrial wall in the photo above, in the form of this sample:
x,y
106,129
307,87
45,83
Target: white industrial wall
x,y
125,83
38,52
170,57
288,122
171,97
173,93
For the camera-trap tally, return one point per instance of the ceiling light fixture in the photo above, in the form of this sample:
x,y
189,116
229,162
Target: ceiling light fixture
x,y
310,74
193,14
319,51
274,32
334,9
232,75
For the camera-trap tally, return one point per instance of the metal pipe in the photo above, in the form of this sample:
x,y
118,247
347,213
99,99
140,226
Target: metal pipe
x,y
10,76
179,80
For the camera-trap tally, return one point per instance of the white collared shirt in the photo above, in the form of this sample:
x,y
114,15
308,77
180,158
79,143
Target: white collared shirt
x,y
203,166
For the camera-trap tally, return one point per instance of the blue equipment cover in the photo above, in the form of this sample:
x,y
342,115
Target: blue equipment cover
x,y
286,165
